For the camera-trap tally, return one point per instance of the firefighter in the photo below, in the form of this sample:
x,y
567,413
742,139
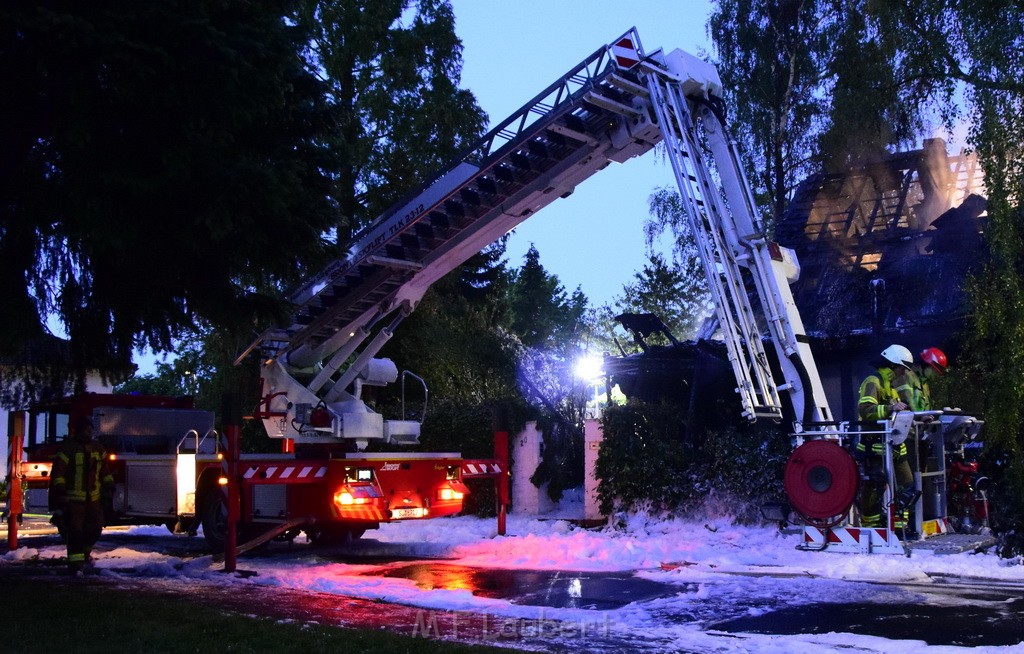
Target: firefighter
x,y
880,400
79,482
935,363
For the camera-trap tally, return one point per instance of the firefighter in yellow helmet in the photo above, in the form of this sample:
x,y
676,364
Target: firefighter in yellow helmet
x,y
880,398
79,480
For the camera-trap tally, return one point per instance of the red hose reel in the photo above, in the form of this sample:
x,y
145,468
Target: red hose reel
x,y
821,480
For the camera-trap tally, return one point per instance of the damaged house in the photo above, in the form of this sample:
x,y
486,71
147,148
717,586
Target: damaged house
x,y
885,250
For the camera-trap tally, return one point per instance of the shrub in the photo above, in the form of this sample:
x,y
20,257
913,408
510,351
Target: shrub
x,y
648,461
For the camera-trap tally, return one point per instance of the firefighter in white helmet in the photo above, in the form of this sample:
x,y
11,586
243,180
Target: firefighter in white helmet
x,y
880,398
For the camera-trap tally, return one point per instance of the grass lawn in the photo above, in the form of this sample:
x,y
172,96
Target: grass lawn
x,y
48,616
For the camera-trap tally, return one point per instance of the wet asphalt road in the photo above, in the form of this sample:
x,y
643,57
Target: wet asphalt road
x,y
947,612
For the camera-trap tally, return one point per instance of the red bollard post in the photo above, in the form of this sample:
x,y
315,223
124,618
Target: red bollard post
x,y
15,500
233,433
231,414
501,486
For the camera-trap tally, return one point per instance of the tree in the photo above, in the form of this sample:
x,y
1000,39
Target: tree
x,y
393,68
541,314
676,292
772,57
867,110
161,161
949,47
454,339
812,84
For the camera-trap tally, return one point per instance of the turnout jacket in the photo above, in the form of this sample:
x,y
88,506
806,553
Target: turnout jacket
x,y
877,393
79,473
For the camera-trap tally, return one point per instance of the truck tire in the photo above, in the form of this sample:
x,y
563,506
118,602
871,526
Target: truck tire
x,y
213,516
334,534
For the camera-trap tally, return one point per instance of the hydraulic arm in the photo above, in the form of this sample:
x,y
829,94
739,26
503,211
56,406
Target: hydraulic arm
x,y
616,104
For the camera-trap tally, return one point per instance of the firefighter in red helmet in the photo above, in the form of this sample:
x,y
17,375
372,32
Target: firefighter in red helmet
x,y
935,363
79,480
935,358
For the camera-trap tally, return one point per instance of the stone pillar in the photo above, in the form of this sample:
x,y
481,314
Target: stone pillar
x,y
592,437
527,499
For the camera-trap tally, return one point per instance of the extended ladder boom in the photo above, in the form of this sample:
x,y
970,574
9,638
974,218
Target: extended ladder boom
x,y
739,260
614,105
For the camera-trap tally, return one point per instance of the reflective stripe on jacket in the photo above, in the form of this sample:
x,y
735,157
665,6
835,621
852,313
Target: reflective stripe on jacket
x,y
877,448
920,397
876,394
80,471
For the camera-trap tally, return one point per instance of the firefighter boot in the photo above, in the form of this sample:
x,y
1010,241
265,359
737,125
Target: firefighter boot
x,y
906,498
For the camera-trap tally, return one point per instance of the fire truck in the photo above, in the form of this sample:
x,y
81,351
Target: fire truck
x,y
167,460
618,103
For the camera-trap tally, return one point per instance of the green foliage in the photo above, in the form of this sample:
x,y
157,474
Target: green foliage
x,y
812,84
772,57
165,160
643,458
393,69
160,383
454,342
648,461
541,314
868,112
676,291
38,372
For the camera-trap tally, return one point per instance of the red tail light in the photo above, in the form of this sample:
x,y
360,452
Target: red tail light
x,y
349,495
452,490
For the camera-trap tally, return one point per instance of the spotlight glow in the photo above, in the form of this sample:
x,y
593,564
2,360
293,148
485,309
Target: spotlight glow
x,y
590,367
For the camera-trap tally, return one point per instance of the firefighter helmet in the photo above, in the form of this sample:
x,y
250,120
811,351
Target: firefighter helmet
x,y
935,358
898,355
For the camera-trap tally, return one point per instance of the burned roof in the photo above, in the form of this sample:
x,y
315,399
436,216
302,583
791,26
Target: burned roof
x,y
887,245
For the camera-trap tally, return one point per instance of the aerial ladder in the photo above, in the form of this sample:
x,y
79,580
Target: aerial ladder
x,y
618,103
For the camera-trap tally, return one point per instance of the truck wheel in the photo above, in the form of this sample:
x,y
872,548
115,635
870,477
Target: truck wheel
x,y
214,518
334,534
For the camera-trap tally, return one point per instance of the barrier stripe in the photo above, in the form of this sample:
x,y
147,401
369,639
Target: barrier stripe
x,y
480,468
285,474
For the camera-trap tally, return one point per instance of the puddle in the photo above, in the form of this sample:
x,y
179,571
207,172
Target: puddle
x,y
1001,623
557,589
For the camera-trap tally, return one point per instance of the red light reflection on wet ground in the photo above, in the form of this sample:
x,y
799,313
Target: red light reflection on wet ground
x,y
556,589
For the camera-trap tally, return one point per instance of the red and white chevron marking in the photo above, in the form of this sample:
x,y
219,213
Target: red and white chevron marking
x,y
864,540
285,473
625,53
480,469
359,513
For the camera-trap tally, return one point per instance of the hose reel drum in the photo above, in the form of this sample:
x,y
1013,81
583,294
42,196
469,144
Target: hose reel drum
x,y
821,481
